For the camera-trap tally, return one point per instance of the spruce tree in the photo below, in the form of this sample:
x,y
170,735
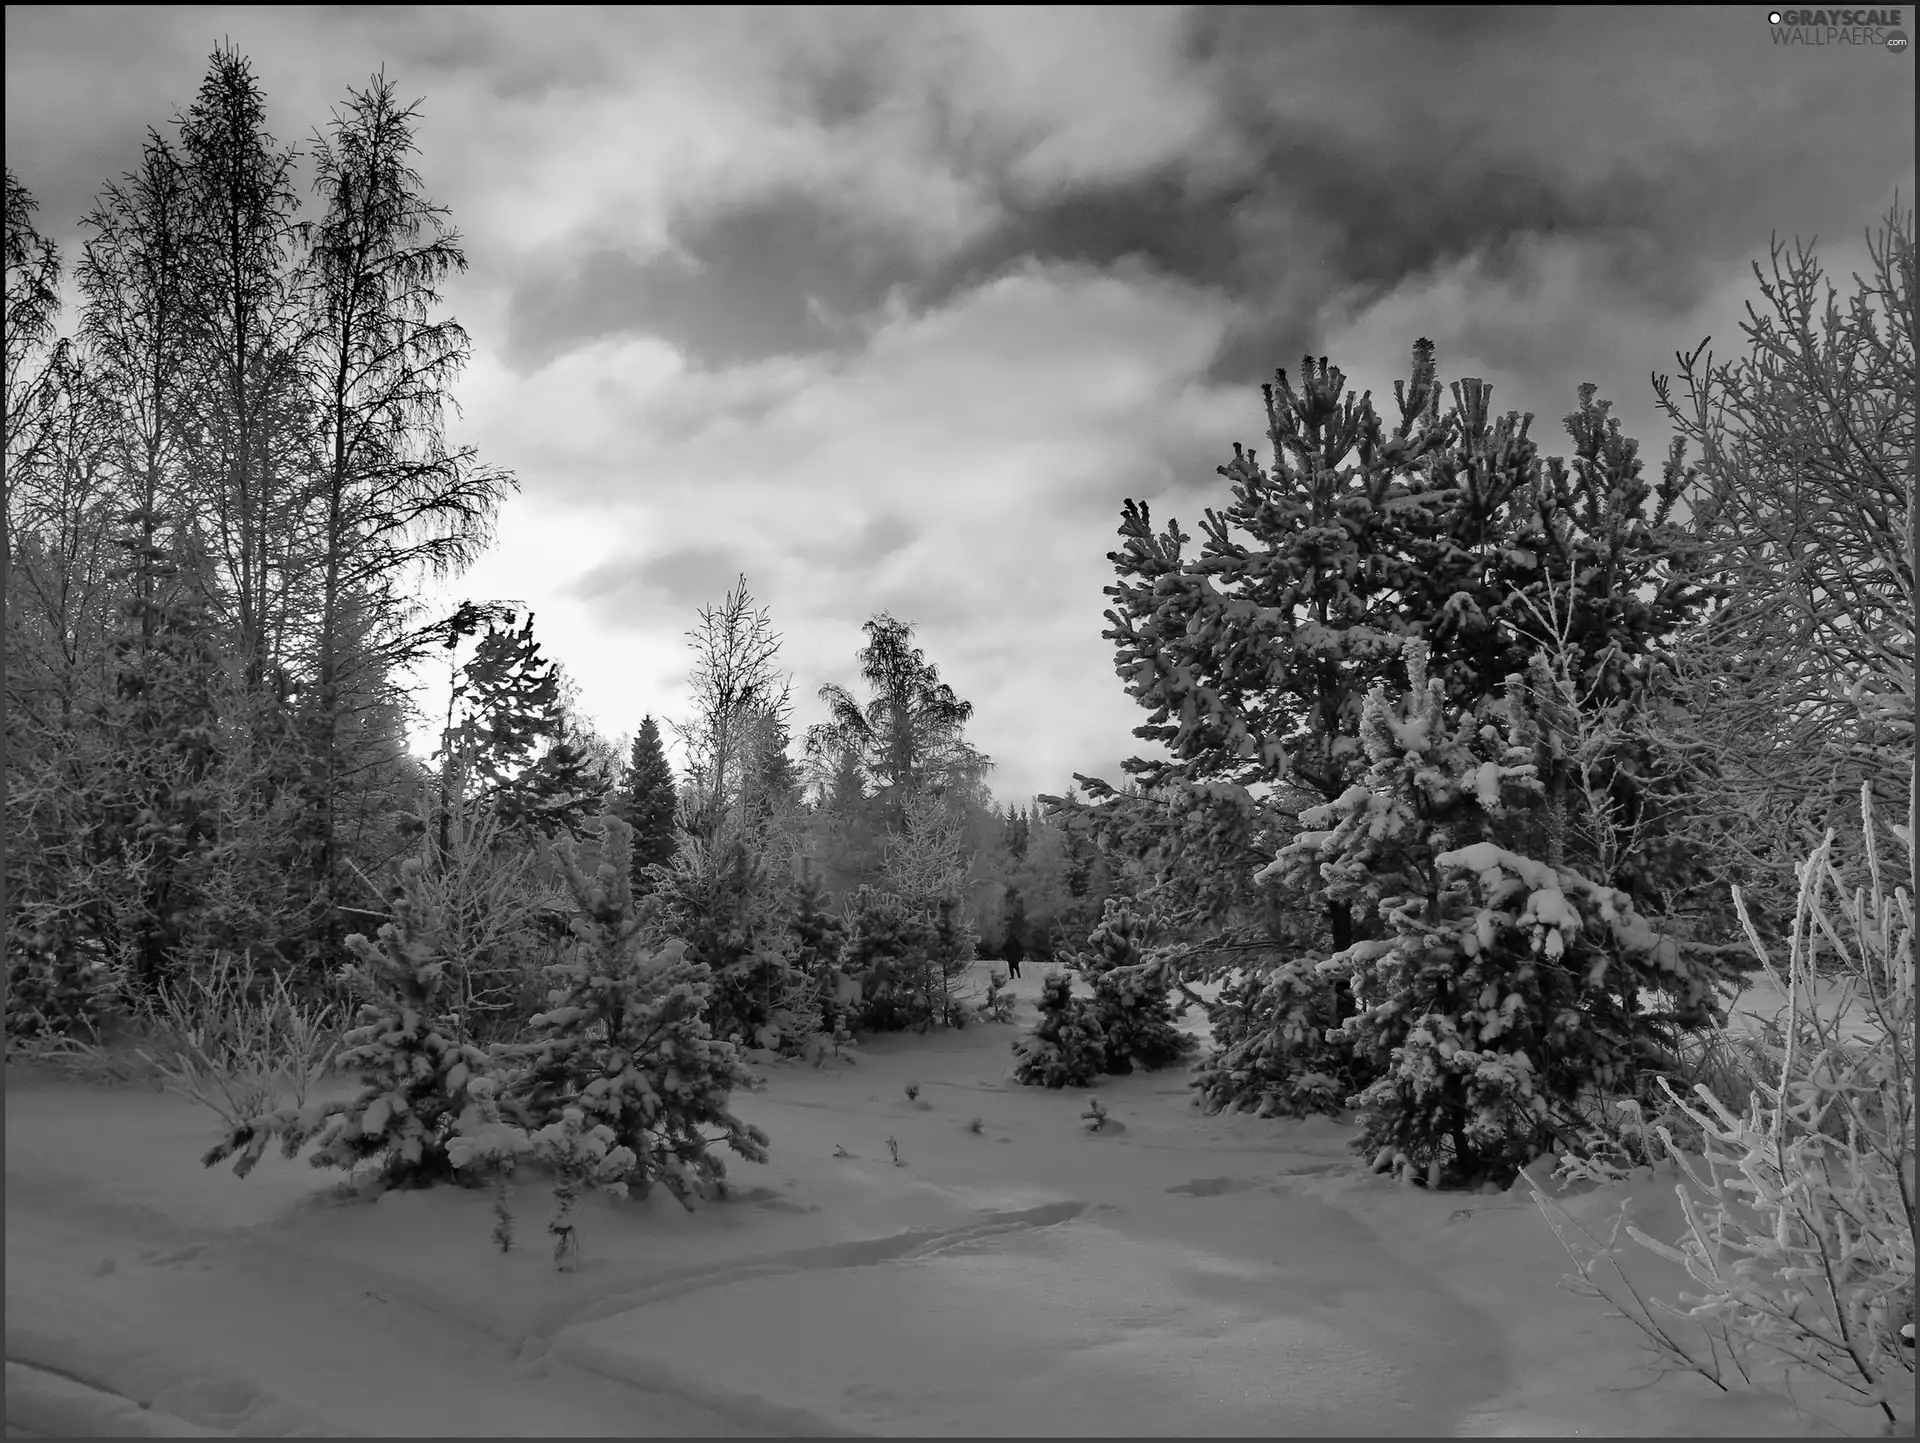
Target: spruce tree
x,y
1130,1007
645,802
819,934
414,1072
1065,1048
625,1041
507,702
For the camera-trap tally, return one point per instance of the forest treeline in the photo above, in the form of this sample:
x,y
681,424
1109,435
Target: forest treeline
x,y
1418,675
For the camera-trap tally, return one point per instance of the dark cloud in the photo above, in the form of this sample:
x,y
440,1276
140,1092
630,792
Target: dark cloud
x,y
1383,144
685,579
1370,148
872,543
779,274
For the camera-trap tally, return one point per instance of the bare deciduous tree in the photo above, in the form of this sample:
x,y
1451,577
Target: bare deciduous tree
x,y
1801,685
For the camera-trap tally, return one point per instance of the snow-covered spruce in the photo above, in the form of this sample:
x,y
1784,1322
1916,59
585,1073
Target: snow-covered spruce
x,y
1065,1048
905,959
626,1044
414,1072
1130,1007
719,894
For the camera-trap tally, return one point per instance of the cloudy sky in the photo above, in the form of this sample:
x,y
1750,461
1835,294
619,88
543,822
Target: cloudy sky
x,y
890,308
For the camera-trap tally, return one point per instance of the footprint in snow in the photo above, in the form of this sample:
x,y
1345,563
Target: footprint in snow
x,y
1212,1186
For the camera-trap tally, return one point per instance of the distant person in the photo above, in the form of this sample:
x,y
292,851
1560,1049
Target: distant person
x,y
1013,954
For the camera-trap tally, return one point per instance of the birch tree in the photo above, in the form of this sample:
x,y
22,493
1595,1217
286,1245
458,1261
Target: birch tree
x,y
392,500
1800,685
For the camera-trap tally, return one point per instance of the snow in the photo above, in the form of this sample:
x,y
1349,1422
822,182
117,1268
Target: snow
x,y
1187,1276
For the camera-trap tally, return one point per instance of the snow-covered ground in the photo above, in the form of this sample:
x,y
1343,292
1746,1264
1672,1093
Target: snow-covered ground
x,y
1182,1275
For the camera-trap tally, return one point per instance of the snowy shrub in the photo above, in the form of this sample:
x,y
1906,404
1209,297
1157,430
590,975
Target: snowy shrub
x,y
625,1042
236,1054
1065,1047
1800,1213
580,1156
1129,1007
998,1004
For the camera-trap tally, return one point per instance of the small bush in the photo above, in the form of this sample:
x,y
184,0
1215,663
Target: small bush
x,y
998,1005
233,1053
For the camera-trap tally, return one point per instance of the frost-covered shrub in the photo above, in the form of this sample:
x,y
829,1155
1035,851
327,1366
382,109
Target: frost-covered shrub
x,y
998,1004
1065,1048
237,1051
1800,1212
1129,1007
625,1043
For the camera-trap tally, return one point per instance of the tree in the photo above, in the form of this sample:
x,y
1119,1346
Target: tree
x,y
1255,656
1065,1048
32,352
645,802
741,704
627,1043
507,703
390,495
908,734
416,1074
1505,987
819,933
164,656
1129,1006
247,426
1799,687
845,824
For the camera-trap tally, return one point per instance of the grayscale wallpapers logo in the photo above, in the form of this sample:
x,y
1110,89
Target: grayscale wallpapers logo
x,y
1839,27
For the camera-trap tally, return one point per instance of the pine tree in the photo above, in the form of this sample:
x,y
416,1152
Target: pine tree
x,y
1130,1007
819,934
165,666
507,697
1505,987
1255,656
645,802
721,897
888,953
626,1044
414,1074
1065,1048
